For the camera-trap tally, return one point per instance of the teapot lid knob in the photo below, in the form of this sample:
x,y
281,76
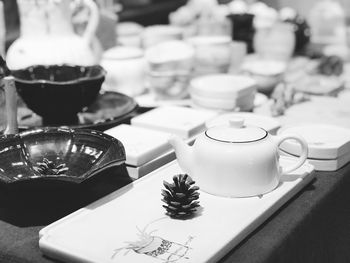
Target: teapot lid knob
x,y
236,122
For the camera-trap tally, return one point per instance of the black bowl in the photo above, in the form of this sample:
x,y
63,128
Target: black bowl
x,y
58,92
57,154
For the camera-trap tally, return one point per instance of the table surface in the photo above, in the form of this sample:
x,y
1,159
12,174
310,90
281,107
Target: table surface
x,y
312,227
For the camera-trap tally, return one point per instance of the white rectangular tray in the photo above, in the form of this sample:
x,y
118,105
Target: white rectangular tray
x,y
182,121
141,145
324,165
136,172
129,225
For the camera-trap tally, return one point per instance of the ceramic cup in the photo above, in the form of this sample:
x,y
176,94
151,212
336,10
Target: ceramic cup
x,y
126,70
169,69
212,54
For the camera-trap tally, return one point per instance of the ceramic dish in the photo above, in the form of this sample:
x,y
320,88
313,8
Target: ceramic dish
x,y
244,103
320,109
324,141
58,92
108,110
105,230
57,154
151,100
266,73
222,86
320,85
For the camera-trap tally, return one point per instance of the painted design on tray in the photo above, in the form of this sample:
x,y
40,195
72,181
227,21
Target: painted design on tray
x,y
157,247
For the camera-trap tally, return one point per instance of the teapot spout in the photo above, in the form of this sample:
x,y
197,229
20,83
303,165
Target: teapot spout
x,y
184,154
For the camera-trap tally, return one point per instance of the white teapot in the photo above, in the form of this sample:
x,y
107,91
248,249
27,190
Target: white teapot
x,y
235,160
47,35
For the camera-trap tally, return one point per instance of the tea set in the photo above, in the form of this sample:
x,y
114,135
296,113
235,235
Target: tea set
x,y
236,160
231,160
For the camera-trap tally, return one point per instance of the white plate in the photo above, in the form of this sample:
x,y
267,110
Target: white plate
x,y
319,85
325,165
141,145
245,103
110,230
264,67
184,122
222,86
324,141
321,109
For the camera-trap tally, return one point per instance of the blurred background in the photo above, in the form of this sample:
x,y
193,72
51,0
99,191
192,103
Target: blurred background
x,y
148,12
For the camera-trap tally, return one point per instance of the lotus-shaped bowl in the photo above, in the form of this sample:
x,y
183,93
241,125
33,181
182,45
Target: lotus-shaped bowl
x,y
57,154
58,92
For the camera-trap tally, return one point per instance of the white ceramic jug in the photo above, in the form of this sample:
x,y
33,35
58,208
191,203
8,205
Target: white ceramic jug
x,y
47,35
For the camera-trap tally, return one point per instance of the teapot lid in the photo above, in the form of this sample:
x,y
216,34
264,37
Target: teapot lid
x,y
236,132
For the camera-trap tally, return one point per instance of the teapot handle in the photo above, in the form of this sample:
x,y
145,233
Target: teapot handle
x,y
92,24
11,105
304,151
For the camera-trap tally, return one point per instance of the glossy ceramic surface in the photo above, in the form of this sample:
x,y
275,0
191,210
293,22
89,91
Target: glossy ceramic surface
x,y
108,110
267,73
126,70
212,54
235,160
222,86
59,92
84,152
48,37
170,67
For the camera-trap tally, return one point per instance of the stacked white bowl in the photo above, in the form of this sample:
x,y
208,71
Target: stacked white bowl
x,y
170,65
223,92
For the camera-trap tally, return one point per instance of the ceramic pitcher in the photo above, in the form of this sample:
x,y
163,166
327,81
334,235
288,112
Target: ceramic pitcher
x,y
47,35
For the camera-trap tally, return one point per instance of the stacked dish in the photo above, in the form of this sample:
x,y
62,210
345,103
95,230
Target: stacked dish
x,y
329,145
267,73
223,92
170,65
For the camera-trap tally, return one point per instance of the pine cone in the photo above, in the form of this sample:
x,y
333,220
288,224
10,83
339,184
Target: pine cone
x,y
180,196
47,167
